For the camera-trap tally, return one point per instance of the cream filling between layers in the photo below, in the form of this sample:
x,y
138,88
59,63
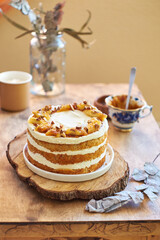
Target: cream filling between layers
x,y
81,152
42,160
68,140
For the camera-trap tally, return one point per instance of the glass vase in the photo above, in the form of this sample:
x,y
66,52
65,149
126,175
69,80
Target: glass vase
x,y
47,65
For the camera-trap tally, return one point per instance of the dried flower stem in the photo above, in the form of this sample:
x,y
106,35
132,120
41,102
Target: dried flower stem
x,y
50,30
156,157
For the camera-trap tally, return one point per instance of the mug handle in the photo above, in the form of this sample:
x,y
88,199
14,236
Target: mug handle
x,y
142,114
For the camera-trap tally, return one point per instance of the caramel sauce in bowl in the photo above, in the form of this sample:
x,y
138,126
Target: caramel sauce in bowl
x,y
119,101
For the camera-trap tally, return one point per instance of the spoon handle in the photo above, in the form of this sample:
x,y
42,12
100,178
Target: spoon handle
x,y
131,81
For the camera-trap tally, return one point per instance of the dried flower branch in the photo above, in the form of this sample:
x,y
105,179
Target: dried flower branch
x,y
149,191
76,34
25,33
112,203
151,177
13,22
156,157
21,5
52,20
139,175
86,23
49,28
151,187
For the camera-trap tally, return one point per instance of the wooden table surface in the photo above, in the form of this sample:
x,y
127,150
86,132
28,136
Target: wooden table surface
x,y
25,213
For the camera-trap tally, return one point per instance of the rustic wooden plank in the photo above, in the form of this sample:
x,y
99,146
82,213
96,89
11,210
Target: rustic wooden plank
x,y
61,238
153,238
102,230
86,238
83,238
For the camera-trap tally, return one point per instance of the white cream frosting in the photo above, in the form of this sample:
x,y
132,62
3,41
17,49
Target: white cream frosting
x,y
81,152
68,140
70,119
42,160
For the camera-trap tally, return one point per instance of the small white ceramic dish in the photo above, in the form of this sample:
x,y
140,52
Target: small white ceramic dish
x,y
76,177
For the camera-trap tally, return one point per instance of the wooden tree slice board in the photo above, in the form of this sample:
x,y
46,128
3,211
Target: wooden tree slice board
x,y
113,181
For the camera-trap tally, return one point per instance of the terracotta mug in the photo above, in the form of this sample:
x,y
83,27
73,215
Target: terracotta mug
x,y
14,90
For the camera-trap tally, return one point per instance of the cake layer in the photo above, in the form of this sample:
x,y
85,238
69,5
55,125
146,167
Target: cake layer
x,y
78,168
68,140
35,144
63,159
69,147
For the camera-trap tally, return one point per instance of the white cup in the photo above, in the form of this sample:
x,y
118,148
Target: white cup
x,y
14,90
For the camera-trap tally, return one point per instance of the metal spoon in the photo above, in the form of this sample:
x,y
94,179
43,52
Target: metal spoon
x,y
131,81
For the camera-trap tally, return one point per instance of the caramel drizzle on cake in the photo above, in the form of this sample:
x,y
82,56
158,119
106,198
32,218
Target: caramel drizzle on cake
x,y
41,120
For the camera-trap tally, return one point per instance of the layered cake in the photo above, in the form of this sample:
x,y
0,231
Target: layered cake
x,y
67,139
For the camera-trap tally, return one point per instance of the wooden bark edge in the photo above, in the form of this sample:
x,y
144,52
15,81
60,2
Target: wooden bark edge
x,y
13,164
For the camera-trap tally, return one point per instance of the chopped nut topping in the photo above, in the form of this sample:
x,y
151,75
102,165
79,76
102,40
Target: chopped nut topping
x,y
72,129
86,129
57,108
36,114
94,113
46,115
75,105
47,108
78,128
63,134
81,106
57,128
97,126
53,132
43,128
41,120
81,132
64,108
72,108
53,111
87,108
33,120
38,119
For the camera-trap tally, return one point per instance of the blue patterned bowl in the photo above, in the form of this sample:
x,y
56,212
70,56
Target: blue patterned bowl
x,y
124,119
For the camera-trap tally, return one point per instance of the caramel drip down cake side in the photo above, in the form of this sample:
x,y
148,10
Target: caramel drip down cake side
x,y
68,139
